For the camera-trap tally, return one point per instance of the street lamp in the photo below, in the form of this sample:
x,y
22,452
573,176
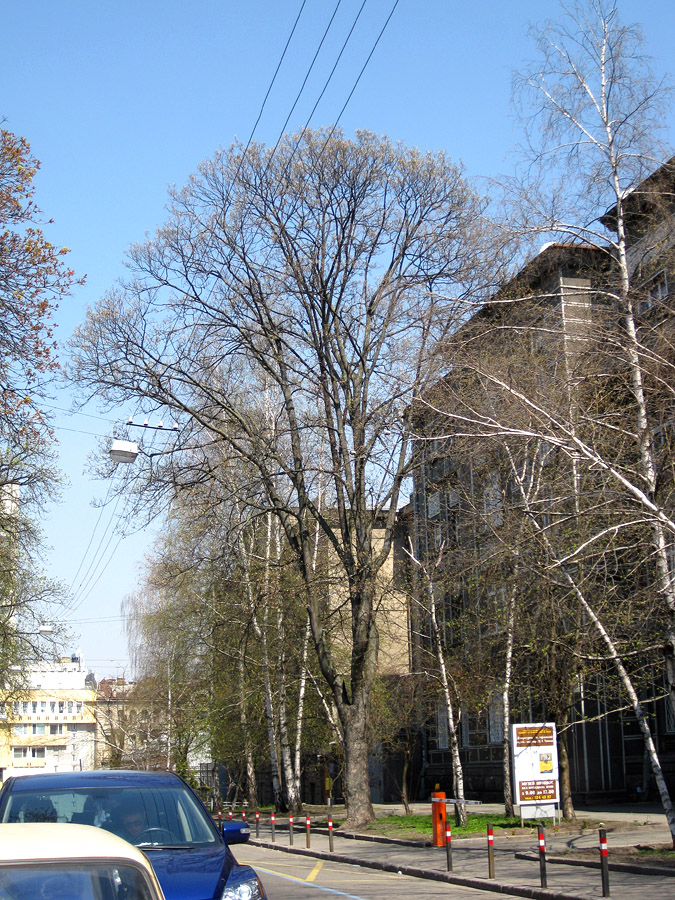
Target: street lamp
x,y
123,451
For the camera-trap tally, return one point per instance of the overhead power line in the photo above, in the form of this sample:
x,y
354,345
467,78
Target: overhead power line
x,y
269,88
308,73
363,69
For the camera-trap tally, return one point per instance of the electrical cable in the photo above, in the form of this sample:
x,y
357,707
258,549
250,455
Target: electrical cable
x,y
71,412
363,69
76,600
323,91
304,82
91,539
90,586
271,85
76,431
94,621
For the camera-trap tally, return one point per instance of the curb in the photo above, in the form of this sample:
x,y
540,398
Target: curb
x,y
374,838
484,884
629,868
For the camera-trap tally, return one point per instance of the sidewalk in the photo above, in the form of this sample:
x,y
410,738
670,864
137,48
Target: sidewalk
x,y
516,859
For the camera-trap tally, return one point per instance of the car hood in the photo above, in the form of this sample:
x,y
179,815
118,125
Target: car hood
x,y
195,874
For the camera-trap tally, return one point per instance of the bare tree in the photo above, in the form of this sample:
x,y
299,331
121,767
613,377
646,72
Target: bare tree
x,y
314,275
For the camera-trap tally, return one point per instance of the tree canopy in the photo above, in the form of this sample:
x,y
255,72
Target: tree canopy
x,y
286,310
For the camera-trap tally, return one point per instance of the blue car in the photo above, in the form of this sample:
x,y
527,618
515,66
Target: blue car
x,y
156,811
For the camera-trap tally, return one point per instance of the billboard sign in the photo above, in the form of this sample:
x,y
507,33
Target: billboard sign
x,y
535,763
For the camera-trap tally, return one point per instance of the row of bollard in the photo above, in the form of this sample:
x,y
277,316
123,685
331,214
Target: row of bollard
x,y
291,830
290,827
604,859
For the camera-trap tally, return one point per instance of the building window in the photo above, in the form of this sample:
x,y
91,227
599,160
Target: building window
x,y
24,728
495,719
29,753
52,706
434,504
669,718
25,707
464,726
655,292
43,706
3,710
492,500
34,706
78,707
70,707
16,708
442,728
494,606
56,729
62,706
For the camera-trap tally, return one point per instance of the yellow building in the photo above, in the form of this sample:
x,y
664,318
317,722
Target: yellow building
x,y
50,726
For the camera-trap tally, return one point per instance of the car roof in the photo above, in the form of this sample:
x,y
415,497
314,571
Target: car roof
x,y
57,841
122,778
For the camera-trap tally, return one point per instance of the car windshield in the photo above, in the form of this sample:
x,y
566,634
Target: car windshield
x,y
142,816
74,881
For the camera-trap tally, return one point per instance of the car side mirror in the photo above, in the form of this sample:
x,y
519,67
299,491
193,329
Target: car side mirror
x,y
235,832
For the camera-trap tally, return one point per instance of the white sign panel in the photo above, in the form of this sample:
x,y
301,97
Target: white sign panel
x,y
535,763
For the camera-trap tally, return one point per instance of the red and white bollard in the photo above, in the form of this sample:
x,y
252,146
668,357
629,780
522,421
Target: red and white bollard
x,y
229,813
604,863
330,834
272,822
448,845
491,851
243,815
307,823
257,823
542,857
290,830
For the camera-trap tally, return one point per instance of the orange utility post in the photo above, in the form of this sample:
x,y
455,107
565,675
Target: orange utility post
x,y
438,817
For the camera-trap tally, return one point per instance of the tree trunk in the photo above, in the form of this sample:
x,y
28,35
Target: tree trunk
x,y
453,723
506,702
564,773
261,634
251,784
404,783
357,780
634,700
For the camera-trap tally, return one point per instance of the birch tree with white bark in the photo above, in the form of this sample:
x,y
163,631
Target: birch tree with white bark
x,y
601,390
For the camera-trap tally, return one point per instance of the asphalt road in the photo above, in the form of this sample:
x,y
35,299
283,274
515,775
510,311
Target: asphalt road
x,y
319,872
288,877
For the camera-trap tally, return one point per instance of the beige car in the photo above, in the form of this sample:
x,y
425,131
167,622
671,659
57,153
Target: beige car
x,y
45,861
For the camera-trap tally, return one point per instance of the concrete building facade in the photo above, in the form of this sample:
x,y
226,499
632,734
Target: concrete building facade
x,y
50,726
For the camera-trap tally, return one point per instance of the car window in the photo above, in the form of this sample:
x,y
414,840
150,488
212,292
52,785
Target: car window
x,y
166,815
74,881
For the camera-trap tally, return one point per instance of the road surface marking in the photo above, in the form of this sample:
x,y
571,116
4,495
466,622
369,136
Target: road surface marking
x,y
317,887
315,871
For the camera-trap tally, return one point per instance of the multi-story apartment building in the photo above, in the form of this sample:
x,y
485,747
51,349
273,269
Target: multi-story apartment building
x,y
50,725
553,335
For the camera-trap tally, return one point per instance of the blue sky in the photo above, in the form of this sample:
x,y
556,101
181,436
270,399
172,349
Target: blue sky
x,y
120,100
